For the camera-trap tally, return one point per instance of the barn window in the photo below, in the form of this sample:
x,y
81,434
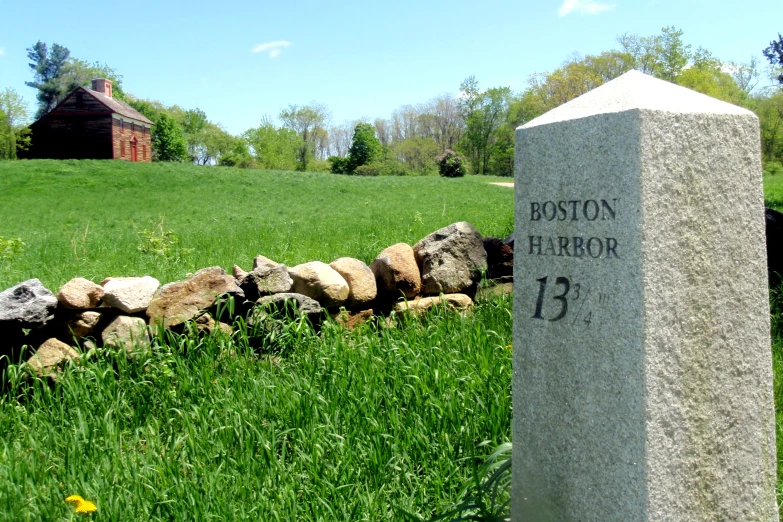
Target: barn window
x,y
122,146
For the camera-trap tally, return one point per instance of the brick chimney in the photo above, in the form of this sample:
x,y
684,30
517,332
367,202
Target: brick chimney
x,y
103,86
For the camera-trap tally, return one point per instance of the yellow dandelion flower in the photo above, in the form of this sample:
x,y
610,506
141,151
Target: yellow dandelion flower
x,y
86,506
74,499
508,346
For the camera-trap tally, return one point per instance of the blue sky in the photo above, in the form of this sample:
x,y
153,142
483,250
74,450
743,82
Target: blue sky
x,y
359,58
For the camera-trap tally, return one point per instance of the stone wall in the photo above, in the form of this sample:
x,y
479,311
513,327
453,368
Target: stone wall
x,y
123,312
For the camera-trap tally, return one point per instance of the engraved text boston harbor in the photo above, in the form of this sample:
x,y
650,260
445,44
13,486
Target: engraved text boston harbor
x,y
575,246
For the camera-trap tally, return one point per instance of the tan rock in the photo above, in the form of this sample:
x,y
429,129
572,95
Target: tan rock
x,y
181,301
351,320
80,325
206,324
360,279
80,293
126,332
50,357
261,261
396,272
495,290
129,294
238,274
321,282
421,304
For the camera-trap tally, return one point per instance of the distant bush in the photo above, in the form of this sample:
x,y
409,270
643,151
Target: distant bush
x,y
237,160
773,168
338,165
386,167
450,165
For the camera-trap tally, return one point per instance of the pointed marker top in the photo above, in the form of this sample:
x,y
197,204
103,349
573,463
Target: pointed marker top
x,y
636,90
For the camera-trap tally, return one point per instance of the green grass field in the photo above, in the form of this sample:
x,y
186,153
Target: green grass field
x,y
343,426
93,219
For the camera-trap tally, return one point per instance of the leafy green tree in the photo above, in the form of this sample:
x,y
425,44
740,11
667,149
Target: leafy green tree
x,y
78,73
485,113
215,144
168,140
273,148
47,65
674,54
309,122
774,53
365,147
15,133
194,122
417,154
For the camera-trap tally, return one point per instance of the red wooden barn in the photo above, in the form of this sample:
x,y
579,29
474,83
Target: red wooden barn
x,y
90,124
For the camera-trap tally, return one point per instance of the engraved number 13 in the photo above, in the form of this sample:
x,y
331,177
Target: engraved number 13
x,y
562,297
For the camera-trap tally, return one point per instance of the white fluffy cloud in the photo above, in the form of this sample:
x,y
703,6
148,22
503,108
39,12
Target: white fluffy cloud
x,y
272,48
583,7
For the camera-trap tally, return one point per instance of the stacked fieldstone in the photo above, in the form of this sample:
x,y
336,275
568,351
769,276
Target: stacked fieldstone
x,y
122,312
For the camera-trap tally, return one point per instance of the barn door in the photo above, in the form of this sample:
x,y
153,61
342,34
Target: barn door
x,y
134,153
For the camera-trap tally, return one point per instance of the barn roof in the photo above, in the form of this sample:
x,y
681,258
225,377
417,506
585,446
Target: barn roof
x,y
118,106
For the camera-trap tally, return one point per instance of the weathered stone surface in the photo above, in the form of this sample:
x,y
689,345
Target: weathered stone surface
x,y
351,320
495,290
239,274
181,301
320,282
260,261
28,304
642,363
50,357
80,293
422,304
396,272
450,259
266,280
360,279
500,258
80,324
126,332
129,294
206,324
291,305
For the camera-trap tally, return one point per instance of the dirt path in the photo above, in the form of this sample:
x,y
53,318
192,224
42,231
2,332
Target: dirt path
x,y
509,185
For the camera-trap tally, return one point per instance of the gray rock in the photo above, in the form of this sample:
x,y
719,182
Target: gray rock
x,y
260,261
28,304
451,259
290,305
266,280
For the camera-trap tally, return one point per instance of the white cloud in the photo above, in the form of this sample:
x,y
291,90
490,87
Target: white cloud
x,y
2,51
273,48
583,7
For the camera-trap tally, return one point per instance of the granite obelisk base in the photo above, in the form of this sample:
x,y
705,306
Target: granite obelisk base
x,y
642,362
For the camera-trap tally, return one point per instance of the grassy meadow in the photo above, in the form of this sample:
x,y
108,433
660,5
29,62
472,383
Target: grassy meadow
x,y
96,219
363,425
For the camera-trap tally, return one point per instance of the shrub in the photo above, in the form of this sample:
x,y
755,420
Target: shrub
x,y
773,168
450,165
386,167
338,165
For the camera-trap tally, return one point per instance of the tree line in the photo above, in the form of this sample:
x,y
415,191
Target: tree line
x,y
478,123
